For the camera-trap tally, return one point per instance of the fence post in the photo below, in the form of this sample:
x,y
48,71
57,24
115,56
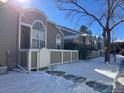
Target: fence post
x,y
29,60
71,55
62,57
38,60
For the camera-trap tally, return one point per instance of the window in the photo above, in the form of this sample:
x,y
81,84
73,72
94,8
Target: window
x,y
38,35
58,41
25,37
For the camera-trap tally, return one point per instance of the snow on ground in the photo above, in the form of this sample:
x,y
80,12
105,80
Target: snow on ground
x,y
93,69
39,82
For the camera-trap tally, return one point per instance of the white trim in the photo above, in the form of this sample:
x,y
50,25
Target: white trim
x,y
25,24
60,39
51,50
68,30
57,50
29,60
71,56
62,45
46,33
60,30
62,57
19,37
40,22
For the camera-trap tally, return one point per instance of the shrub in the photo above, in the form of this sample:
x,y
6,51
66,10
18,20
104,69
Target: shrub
x,y
83,49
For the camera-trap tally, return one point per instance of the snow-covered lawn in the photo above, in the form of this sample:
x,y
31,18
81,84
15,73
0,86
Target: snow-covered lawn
x,y
41,82
93,69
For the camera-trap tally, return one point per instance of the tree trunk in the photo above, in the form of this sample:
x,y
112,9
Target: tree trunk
x,y
107,40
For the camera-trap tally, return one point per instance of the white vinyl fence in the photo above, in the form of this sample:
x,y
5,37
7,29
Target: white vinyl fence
x,y
39,58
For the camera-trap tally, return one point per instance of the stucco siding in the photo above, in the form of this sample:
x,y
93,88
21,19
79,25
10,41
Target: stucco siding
x,y
8,35
52,32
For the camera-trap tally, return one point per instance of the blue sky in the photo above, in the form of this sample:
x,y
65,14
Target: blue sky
x,y
57,16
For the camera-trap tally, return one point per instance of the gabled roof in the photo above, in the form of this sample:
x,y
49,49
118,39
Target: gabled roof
x,y
71,37
68,30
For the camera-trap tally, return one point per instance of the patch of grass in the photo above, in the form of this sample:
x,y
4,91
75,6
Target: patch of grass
x,y
69,77
100,87
80,79
57,73
44,68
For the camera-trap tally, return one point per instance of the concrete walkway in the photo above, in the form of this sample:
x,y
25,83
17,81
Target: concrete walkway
x,y
119,85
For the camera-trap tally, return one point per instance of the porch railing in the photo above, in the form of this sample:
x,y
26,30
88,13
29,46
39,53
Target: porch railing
x,y
38,58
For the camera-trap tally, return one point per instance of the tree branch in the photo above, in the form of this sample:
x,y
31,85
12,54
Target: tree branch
x,y
89,14
116,24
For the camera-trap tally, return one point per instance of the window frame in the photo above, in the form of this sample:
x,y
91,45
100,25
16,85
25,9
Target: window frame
x,y
39,39
58,35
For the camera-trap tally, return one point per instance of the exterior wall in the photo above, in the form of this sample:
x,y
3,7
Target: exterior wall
x,y
52,32
8,35
30,15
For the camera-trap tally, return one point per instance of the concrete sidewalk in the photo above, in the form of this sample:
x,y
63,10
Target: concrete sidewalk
x,y
119,86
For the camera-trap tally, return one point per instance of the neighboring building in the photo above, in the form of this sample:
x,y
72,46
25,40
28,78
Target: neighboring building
x,y
73,36
25,29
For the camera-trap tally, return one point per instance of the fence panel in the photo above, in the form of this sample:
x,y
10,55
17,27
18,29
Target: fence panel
x,y
55,57
75,56
23,59
63,56
67,57
39,58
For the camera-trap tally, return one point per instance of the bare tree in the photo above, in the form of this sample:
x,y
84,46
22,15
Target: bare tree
x,y
111,14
